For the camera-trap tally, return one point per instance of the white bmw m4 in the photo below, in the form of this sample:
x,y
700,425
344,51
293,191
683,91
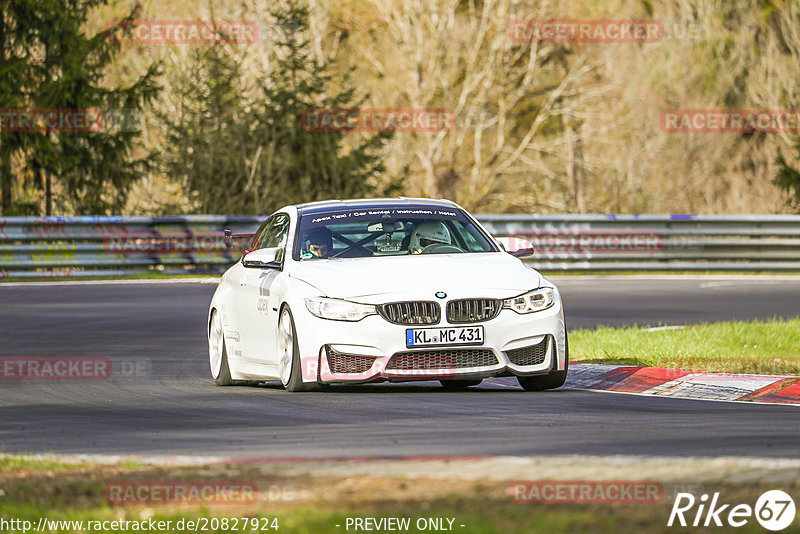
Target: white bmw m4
x,y
393,290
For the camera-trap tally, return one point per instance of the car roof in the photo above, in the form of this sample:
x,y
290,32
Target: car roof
x,y
372,203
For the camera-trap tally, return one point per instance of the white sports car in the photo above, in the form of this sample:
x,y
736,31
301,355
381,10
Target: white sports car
x,y
383,290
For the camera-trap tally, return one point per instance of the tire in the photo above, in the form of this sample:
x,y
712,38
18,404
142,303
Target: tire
x,y
217,353
289,355
458,385
551,380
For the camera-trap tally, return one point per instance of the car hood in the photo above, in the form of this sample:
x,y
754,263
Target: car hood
x,y
498,275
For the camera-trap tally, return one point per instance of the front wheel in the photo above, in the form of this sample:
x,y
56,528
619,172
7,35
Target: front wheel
x,y
217,354
289,354
552,380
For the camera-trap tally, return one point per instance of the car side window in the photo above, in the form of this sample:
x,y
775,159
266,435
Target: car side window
x,y
465,235
277,234
257,237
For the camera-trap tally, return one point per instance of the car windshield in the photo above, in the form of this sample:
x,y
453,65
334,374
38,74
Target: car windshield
x,y
393,231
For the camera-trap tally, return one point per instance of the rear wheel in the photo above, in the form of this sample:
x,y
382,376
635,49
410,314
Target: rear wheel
x,y
289,354
551,380
457,385
217,354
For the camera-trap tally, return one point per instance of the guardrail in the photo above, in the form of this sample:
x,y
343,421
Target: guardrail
x,y
656,242
40,247
37,247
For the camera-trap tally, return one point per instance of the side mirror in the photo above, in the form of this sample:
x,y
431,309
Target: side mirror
x,y
516,246
264,258
522,252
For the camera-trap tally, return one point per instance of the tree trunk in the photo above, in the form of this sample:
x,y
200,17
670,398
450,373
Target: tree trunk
x,y
48,193
575,168
5,182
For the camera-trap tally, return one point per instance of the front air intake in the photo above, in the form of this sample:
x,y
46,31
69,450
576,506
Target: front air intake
x,y
341,363
441,359
530,355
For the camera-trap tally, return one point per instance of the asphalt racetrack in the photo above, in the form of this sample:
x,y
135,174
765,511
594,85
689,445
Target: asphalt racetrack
x,y
164,403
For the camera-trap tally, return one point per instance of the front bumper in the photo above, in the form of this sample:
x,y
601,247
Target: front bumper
x,y
374,350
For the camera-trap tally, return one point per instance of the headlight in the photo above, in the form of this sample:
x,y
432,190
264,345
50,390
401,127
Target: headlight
x,y
536,300
338,310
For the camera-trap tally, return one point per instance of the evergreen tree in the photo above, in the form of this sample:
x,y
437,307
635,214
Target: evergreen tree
x,y
313,165
93,169
210,136
17,70
240,149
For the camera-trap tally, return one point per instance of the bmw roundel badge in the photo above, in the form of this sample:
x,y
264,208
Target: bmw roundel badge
x,y
440,294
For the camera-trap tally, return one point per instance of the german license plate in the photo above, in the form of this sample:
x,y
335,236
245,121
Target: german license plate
x,y
431,337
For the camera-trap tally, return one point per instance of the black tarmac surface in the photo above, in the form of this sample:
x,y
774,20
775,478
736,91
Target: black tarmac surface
x,y
161,400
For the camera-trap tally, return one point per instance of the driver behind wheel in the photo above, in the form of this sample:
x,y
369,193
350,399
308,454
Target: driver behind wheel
x,y
427,234
320,243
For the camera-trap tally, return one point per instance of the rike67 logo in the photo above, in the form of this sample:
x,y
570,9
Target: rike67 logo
x,y
774,510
